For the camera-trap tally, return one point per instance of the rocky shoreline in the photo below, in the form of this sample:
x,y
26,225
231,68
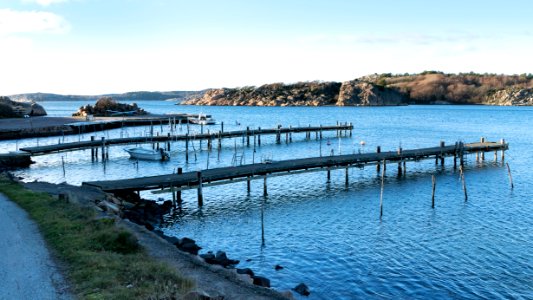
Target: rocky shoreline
x,y
216,275
381,90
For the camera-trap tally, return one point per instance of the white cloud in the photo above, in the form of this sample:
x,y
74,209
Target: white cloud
x,y
13,22
44,2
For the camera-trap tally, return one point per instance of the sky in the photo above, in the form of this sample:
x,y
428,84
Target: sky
x,y
91,47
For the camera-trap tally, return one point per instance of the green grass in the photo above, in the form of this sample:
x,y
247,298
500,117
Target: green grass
x,y
102,261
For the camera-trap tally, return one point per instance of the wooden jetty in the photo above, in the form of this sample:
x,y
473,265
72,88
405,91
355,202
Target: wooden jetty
x,y
225,175
93,144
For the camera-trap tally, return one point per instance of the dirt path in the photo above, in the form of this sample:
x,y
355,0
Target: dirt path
x,y
27,270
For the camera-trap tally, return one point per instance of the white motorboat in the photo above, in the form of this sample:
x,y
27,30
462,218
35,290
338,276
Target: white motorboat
x,y
147,154
202,119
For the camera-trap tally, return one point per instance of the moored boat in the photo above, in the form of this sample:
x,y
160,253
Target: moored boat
x,y
147,154
202,119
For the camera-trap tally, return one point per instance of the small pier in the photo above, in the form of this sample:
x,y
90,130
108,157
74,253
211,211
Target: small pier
x,y
175,183
93,144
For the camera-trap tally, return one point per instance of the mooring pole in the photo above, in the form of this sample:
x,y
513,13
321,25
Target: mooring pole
x,y
442,155
329,175
434,182
400,162
381,194
200,194
248,184
92,148
502,141
222,126
510,176
259,137
482,152
168,141
464,182
172,190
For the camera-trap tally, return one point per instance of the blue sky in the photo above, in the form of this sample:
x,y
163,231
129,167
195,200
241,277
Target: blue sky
x,y
107,46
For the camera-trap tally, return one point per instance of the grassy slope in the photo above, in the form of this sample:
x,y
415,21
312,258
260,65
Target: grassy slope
x,y
102,261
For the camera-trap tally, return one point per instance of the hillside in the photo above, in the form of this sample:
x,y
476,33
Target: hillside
x,y
382,89
130,96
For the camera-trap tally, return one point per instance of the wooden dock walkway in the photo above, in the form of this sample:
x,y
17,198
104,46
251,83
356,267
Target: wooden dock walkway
x,y
209,136
196,180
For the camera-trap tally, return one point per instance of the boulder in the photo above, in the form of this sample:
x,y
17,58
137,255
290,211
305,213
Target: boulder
x,y
188,245
209,257
246,271
302,289
278,267
261,281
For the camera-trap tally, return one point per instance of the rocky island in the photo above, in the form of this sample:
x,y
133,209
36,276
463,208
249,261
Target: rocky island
x,y
106,106
430,87
19,109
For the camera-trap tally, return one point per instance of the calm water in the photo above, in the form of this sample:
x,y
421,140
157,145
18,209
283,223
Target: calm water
x,y
329,235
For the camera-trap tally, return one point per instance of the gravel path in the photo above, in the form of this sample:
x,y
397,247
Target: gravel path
x,y
27,270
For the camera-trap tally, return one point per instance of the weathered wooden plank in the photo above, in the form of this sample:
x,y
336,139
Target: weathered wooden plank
x,y
41,150
286,166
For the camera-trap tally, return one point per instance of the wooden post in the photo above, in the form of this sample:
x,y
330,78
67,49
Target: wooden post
x,y
103,148
286,137
200,194
187,147
510,176
168,141
209,141
63,165
455,157
346,183
320,131
248,136
92,148
178,193
482,152
464,182
502,141
259,137
248,184
378,165
263,221
404,168
442,155
172,190
329,175
381,194
222,126
265,191
400,163
351,127
219,140
157,142
434,181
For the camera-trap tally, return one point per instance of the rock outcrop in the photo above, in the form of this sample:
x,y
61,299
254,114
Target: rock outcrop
x,y
350,93
358,93
276,94
106,106
507,97
19,109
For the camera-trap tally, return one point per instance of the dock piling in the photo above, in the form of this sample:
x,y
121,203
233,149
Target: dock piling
x,y
248,184
187,147
92,148
346,175
464,182
265,191
178,193
381,193
378,165
200,193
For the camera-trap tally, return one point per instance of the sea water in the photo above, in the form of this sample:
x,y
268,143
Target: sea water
x,y
329,235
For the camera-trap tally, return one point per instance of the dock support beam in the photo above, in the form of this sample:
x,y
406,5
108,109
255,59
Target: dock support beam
x,y
200,194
